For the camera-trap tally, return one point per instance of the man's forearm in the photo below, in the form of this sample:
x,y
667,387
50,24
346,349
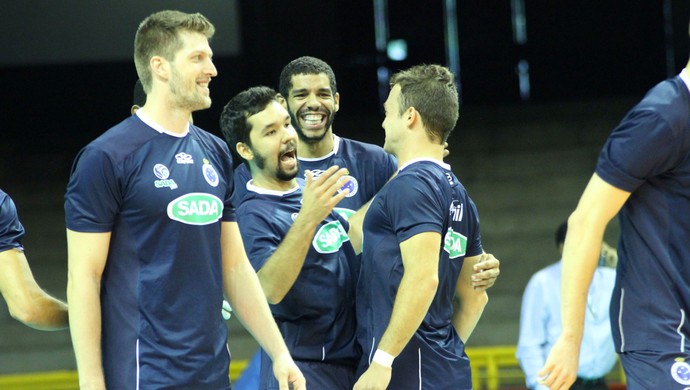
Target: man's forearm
x,y
471,310
85,320
411,305
279,273
249,304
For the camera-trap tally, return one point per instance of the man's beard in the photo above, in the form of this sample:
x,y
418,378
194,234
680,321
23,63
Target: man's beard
x,y
260,162
315,138
190,100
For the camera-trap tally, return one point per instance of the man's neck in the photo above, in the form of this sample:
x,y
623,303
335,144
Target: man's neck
x,y
419,150
316,149
161,111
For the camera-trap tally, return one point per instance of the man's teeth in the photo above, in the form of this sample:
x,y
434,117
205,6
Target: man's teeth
x,y
312,118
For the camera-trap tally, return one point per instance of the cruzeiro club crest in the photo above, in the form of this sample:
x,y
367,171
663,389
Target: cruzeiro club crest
x,y
210,173
350,185
680,371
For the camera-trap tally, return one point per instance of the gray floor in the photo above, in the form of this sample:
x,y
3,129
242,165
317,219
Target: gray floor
x,y
524,166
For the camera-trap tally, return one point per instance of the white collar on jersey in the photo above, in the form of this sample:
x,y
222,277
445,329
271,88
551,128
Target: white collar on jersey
x,y
158,127
439,163
685,77
336,145
264,191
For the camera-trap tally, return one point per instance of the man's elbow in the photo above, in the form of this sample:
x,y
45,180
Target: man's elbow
x,y
482,299
273,298
27,312
273,295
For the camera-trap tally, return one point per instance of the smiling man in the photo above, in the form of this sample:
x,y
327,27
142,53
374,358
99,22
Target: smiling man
x,y
300,248
420,242
152,237
311,95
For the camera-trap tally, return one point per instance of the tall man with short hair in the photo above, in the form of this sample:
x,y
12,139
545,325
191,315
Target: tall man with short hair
x,y
152,237
643,176
420,241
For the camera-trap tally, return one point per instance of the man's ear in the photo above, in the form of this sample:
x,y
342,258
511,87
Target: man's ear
x,y
411,116
244,151
160,67
336,107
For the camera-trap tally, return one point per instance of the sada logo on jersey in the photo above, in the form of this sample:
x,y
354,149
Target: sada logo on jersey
x,y
330,237
162,172
196,208
454,243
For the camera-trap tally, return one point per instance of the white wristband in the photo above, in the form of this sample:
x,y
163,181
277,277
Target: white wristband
x,y
383,358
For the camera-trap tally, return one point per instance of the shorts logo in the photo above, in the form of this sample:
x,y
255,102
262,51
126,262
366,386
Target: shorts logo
x,y
680,371
184,158
196,208
162,172
330,237
454,243
351,185
210,174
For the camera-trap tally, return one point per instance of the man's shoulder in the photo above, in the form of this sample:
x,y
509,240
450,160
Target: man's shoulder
x,y
350,145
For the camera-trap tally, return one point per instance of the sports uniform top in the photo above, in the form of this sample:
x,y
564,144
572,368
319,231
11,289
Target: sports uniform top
x,y
648,155
163,197
11,230
316,317
425,196
369,165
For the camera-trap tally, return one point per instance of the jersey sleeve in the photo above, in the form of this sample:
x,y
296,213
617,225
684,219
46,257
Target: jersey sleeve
x,y
474,246
643,145
258,234
93,193
241,177
416,207
11,230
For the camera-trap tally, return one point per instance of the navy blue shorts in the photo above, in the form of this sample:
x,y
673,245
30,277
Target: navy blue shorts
x,y
656,370
319,375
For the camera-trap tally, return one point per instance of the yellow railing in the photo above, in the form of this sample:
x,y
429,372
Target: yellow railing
x,y
68,380
493,368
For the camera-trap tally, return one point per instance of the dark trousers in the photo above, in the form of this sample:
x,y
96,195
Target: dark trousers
x,y
589,384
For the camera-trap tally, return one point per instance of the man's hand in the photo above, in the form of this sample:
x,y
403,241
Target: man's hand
x,y
485,272
322,193
288,374
560,370
376,377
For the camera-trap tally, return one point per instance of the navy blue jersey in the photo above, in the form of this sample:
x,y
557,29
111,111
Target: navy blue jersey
x,y
369,165
425,196
163,197
648,155
11,230
316,317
